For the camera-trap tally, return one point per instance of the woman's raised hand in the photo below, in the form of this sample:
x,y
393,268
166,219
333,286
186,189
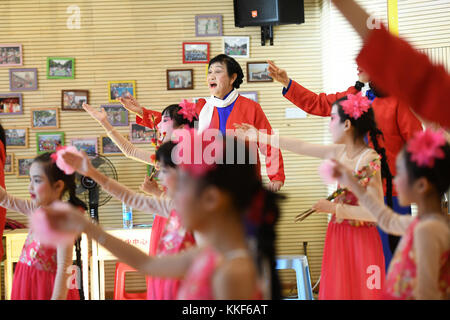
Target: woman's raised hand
x,y
81,164
100,116
131,104
278,74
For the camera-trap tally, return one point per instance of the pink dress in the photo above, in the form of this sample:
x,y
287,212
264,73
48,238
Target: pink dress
x,y
35,273
401,279
174,239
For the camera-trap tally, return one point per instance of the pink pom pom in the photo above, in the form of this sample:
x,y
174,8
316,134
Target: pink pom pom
x,y
43,233
326,172
60,163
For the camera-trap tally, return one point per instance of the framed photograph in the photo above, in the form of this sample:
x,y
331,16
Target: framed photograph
x,y
16,138
195,52
9,164
140,134
237,47
118,89
23,166
208,25
252,95
88,145
180,79
44,118
10,55
108,147
23,79
10,103
258,72
60,68
72,100
49,141
117,114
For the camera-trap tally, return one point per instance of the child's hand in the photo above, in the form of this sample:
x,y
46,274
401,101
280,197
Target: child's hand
x,y
131,104
274,185
151,187
278,74
325,206
246,131
81,164
63,217
100,116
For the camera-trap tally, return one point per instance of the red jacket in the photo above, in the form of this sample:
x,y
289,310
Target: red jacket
x,y
393,118
2,184
248,111
244,111
399,70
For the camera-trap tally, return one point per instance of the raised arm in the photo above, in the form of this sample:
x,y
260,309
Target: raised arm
x,y
159,205
9,202
64,260
69,219
387,219
127,148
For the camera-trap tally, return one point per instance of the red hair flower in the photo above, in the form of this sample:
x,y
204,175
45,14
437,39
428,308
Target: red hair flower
x,y
425,147
187,109
355,105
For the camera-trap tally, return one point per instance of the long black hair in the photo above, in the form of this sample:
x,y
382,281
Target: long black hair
x,y
55,174
259,206
178,119
3,137
366,125
232,67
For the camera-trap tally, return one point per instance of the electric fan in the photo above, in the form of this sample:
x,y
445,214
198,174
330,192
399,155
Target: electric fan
x,y
94,195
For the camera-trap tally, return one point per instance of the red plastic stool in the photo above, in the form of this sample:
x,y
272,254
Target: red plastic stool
x,y
119,284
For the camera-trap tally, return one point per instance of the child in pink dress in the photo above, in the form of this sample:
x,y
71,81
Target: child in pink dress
x,y
352,243
420,268
210,202
40,273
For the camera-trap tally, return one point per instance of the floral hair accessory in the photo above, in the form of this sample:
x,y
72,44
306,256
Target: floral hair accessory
x,y
197,153
355,105
58,159
187,110
425,147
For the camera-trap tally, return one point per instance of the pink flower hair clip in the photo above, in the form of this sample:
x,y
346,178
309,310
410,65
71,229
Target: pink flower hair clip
x,y
425,147
187,109
355,105
58,159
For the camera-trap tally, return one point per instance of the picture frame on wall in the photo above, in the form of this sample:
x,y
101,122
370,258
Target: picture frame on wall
x,y
16,138
60,68
108,147
118,89
117,114
44,118
208,25
140,134
258,72
252,95
11,55
88,145
195,52
180,79
23,166
23,79
237,47
48,141
9,164
10,104
72,100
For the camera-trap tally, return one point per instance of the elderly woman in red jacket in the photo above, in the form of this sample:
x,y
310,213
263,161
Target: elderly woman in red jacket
x,y
392,116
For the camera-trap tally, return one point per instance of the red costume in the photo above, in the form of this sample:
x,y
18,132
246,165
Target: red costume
x,y
2,184
393,117
403,72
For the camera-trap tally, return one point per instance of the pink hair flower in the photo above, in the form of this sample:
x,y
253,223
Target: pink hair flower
x,y
425,147
187,109
355,105
58,159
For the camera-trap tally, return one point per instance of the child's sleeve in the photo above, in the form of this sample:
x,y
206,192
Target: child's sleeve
x,y
128,149
430,242
161,205
15,204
